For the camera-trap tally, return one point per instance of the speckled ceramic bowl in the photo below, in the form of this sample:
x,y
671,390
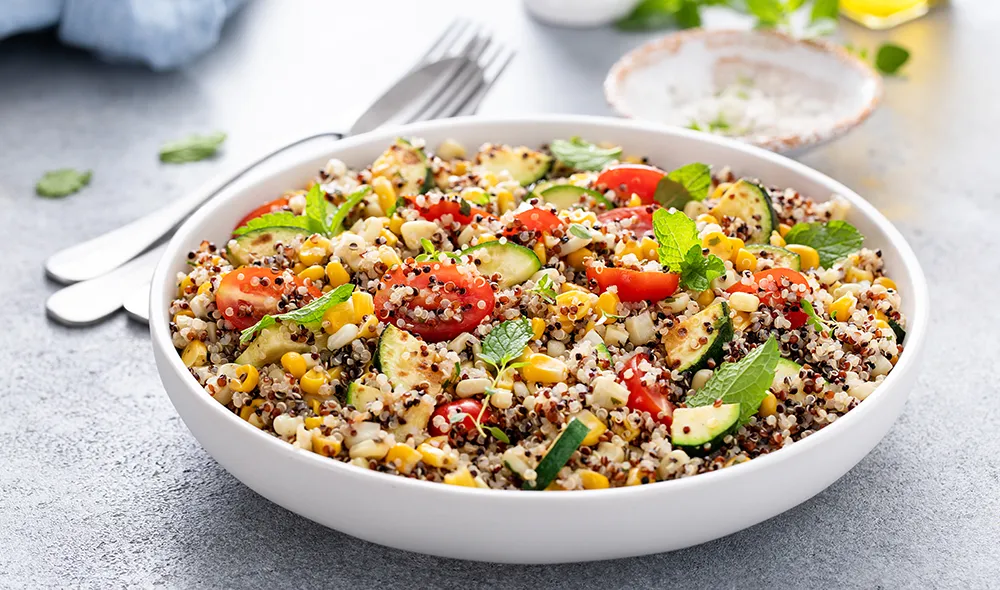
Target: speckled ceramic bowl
x,y
661,79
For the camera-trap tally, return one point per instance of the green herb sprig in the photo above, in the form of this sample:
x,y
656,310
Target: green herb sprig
x,y
745,382
833,240
582,155
309,313
681,252
499,348
690,182
545,289
317,218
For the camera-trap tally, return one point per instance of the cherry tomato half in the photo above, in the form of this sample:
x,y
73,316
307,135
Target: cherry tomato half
x,y
642,217
250,292
643,397
444,207
767,285
629,179
535,220
469,407
275,205
438,288
635,285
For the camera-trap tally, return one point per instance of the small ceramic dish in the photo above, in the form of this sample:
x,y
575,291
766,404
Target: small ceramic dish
x,y
762,87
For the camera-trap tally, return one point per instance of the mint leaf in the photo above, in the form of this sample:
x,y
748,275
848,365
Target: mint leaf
x,y
545,289
890,58
498,434
833,239
745,382
687,183
277,219
309,313
337,221
506,342
769,13
676,234
698,272
688,15
580,231
192,148
62,182
581,155
824,10
317,211
650,15
814,320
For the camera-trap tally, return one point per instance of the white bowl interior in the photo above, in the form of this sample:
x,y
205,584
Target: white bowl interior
x,y
278,471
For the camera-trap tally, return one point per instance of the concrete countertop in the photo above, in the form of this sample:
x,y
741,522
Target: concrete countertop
x,y
101,485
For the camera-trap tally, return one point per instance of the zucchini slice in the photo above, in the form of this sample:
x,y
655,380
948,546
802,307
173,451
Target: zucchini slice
x,y
897,330
703,428
260,243
603,353
558,454
683,343
779,256
360,396
524,165
268,346
567,196
515,264
399,357
750,202
787,380
406,167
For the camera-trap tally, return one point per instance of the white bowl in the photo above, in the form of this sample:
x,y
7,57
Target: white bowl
x,y
659,81
539,527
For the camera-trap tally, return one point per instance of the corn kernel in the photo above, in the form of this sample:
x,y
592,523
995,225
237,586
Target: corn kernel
x,y
246,412
314,273
769,406
388,256
326,289
841,309
887,283
313,422
205,287
593,480
396,224
607,303
312,381
294,363
554,487
633,160
637,477
706,297
404,457
337,274
459,168
326,446
856,275
747,302
462,477
879,316
298,267
783,229
580,300
369,329
634,201
808,256
505,201
721,190
389,237
490,179
719,244
385,192
195,354
542,368
247,377
707,218
745,260
537,328
882,324
777,240
741,321
486,238
313,250
632,248
364,305
597,428
338,316
182,288
578,259
183,313
539,251
434,456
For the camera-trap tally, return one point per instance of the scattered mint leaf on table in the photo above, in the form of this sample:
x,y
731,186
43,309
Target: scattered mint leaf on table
x,y
309,313
62,182
890,58
192,148
833,240
745,382
582,155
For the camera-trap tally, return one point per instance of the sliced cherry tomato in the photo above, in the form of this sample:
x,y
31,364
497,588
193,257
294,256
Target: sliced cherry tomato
x,y
635,285
797,318
469,407
643,397
769,282
629,179
275,205
444,207
459,300
642,217
535,220
250,292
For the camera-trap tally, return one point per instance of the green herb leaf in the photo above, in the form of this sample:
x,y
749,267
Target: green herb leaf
x,y
698,272
890,58
309,313
277,219
498,434
479,198
676,234
689,182
769,13
688,15
317,210
833,239
430,252
62,182
824,10
581,155
506,342
580,231
337,221
192,148
650,15
897,330
814,320
464,207
545,289
745,382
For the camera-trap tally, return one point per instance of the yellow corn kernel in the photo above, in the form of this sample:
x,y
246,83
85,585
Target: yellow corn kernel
x,y
364,305
581,216
707,218
434,456
334,373
326,446
632,248
633,159
542,368
741,321
879,316
887,283
579,299
540,252
459,168
808,256
246,412
777,240
649,249
205,287
195,354
247,378
396,224
313,250
721,190
607,303
183,313
338,316
706,297
314,273
745,260
490,179
719,244
856,275
537,328
505,201
312,381
597,428
385,192
388,256
578,259
313,422
369,329
294,363
882,324
298,267
182,288
486,238
841,309
736,245
314,404
337,274
783,229
593,480
769,406
326,289
462,477
637,477
404,457
554,487
390,238
257,403
634,201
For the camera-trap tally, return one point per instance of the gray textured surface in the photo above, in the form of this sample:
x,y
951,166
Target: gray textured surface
x,y
101,485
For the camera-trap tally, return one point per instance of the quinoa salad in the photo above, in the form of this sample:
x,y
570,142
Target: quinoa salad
x,y
558,317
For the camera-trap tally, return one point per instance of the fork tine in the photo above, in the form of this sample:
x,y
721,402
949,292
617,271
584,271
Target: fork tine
x,y
473,79
490,77
469,76
438,49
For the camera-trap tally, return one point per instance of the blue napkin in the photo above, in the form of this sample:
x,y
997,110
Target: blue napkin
x,y
163,34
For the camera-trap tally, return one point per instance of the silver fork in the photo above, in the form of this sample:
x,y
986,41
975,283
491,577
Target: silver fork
x,y
459,90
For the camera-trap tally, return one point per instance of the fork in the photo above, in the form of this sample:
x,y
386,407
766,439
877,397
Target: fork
x,y
458,91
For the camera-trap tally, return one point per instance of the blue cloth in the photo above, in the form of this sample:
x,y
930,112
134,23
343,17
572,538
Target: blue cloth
x,y
163,34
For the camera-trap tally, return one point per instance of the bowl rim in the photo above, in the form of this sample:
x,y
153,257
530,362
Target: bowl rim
x,y
777,143
175,250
